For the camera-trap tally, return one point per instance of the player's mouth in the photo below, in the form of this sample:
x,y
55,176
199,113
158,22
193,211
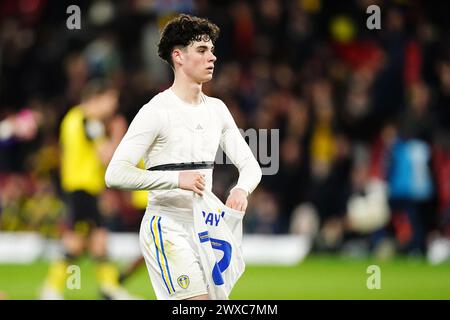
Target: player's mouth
x,y
210,68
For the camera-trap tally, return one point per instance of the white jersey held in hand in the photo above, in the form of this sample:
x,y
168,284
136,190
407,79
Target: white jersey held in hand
x,y
219,230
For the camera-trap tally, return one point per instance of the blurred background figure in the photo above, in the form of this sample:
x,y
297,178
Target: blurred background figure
x,y
409,169
89,134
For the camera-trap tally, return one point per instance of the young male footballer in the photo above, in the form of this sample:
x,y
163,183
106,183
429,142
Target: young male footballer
x,y
177,133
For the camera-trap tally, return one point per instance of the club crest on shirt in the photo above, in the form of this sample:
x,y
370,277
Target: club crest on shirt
x,y
183,281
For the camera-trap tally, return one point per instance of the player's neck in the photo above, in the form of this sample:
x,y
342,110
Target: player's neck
x,y
88,110
188,91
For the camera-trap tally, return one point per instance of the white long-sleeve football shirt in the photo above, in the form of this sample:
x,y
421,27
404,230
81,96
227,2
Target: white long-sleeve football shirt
x,y
168,130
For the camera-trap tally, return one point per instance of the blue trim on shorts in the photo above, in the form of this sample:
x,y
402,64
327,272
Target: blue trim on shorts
x,y
157,254
164,254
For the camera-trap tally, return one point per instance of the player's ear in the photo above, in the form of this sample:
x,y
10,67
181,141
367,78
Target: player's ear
x,y
177,56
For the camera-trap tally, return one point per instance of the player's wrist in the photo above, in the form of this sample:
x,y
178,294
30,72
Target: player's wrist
x,y
239,190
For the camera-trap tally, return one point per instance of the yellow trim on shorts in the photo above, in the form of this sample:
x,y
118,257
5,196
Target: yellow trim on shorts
x,y
163,262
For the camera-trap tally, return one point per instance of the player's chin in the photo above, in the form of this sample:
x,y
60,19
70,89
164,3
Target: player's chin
x,y
207,78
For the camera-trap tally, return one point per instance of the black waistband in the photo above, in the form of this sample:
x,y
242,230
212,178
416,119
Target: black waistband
x,y
184,166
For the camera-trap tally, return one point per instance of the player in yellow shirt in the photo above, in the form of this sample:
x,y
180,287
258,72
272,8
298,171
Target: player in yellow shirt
x,y
86,148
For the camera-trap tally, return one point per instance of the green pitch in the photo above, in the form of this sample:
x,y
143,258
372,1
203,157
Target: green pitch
x,y
318,277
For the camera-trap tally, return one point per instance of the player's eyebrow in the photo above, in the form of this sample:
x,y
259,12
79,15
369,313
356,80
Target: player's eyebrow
x,y
205,47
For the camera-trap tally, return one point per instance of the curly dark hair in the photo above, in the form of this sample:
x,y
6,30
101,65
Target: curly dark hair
x,y
182,31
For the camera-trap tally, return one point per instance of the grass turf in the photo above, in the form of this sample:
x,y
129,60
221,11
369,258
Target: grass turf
x,y
318,277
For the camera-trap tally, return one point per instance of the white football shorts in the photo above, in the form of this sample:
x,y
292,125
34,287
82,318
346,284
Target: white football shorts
x,y
171,255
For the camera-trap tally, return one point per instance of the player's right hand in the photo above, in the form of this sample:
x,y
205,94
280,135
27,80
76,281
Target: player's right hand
x,y
192,180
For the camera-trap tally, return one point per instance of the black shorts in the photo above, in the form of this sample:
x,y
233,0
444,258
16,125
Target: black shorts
x,y
83,211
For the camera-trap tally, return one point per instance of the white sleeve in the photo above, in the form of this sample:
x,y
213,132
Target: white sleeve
x,y
122,172
235,147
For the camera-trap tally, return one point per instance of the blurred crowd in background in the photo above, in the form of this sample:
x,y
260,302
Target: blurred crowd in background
x,y
364,115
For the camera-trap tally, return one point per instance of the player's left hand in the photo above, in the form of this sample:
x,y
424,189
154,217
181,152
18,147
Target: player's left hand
x,y
237,199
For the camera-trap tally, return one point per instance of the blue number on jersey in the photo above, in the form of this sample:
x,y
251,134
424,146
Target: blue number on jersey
x,y
224,263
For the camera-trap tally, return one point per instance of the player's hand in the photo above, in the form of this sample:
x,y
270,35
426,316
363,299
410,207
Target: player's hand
x,y
192,180
237,199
